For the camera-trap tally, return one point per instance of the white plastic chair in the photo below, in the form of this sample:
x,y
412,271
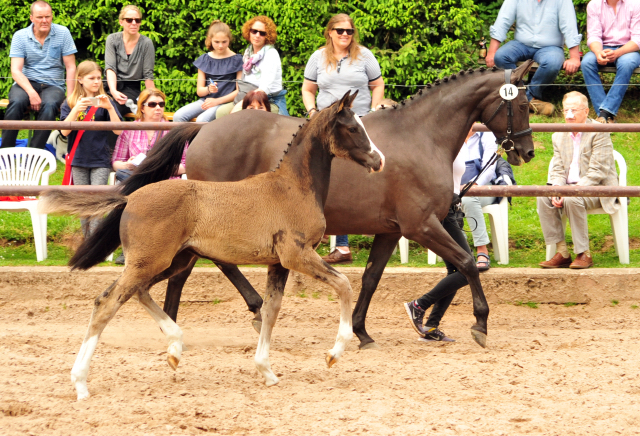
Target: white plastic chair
x,y
499,222
619,220
26,167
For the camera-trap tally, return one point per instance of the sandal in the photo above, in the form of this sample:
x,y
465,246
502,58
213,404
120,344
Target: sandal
x,y
483,265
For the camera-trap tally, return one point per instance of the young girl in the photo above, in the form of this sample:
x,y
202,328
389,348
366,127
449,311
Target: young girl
x,y
217,71
92,161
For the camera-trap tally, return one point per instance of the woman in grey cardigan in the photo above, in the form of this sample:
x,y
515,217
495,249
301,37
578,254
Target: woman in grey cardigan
x,y
129,59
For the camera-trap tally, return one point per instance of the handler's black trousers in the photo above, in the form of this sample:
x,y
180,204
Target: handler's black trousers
x,y
442,294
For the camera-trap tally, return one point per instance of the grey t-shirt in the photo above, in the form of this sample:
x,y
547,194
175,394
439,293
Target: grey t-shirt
x,y
136,66
348,76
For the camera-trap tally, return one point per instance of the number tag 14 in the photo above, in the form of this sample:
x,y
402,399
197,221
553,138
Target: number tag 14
x,y
508,91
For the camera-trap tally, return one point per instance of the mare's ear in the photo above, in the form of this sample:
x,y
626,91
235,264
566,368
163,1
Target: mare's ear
x,y
344,101
521,71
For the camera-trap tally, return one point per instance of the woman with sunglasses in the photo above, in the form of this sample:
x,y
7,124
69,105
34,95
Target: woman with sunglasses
x,y
342,65
262,68
129,59
133,145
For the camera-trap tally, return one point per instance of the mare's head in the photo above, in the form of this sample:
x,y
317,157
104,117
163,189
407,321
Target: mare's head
x,y
495,115
348,138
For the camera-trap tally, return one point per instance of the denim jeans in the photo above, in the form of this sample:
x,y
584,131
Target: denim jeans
x,y
441,296
342,240
279,100
51,97
194,110
549,59
610,101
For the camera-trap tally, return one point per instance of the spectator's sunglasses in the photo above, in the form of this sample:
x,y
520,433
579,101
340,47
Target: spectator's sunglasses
x,y
256,31
154,104
133,20
341,31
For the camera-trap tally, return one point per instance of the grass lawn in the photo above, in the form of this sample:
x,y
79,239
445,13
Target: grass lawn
x,y
526,242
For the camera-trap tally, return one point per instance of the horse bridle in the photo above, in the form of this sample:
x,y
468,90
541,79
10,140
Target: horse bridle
x,y
509,137
503,140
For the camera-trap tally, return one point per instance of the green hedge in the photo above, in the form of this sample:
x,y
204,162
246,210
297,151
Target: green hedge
x,y
414,41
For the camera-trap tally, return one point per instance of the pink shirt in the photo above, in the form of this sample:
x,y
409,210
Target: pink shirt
x,y
574,168
133,142
609,28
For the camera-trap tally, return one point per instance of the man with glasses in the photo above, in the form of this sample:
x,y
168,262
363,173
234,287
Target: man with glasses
x,y
583,159
40,56
542,28
613,28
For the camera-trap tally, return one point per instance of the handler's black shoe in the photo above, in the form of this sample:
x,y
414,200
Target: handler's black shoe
x,y
416,314
434,334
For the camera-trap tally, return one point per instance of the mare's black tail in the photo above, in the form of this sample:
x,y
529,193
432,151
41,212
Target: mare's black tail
x,y
161,163
163,160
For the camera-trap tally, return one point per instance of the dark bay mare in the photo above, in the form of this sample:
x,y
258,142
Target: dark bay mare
x,y
420,138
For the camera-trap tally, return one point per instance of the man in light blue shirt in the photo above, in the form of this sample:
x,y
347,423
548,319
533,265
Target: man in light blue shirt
x,y
542,28
40,56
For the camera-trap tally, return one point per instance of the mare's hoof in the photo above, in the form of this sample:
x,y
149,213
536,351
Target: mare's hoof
x,y
479,337
173,361
369,346
330,360
257,324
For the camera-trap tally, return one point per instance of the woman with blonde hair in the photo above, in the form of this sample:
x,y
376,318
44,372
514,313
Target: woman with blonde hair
x,y
218,72
129,59
91,162
342,65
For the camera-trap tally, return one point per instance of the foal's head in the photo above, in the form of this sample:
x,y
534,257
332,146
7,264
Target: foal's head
x,y
348,138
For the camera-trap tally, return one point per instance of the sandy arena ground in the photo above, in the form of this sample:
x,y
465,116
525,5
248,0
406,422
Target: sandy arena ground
x,y
554,370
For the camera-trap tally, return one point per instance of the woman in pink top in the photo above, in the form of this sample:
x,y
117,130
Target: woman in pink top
x,y
133,145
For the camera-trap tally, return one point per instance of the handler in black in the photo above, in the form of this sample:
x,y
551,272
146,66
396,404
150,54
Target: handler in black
x,y
441,296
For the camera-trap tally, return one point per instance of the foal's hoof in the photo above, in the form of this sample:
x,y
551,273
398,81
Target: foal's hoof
x,y
173,361
331,360
479,337
369,346
257,324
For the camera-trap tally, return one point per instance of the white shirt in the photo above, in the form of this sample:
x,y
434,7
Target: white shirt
x,y
269,79
458,171
471,151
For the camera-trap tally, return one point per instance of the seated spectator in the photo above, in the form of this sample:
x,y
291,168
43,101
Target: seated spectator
x,y
218,71
542,28
256,100
583,159
40,56
262,67
129,59
477,150
92,159
613,30
133,145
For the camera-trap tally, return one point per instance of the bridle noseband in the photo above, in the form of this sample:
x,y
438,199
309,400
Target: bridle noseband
x,y
509,137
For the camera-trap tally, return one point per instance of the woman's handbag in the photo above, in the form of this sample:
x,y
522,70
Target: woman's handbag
x,y
68,160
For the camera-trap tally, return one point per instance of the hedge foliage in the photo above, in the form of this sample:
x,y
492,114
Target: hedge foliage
x,y
414,41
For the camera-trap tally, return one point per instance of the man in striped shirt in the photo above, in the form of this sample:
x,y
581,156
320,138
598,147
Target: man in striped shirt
x,y
40,56
613,30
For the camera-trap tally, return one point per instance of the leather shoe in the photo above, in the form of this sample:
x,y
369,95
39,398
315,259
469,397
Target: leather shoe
x,y
541,107
557,261
582,262
336,257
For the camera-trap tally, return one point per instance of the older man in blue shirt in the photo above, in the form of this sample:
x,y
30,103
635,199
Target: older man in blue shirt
x,y
40,56
542,28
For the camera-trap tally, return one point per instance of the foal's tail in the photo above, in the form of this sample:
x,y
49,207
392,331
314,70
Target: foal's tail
x,y
106,238
163,160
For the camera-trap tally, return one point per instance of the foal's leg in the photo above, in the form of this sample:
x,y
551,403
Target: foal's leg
x,y
310,263
168,327
383,246
433,236
276,280
106,306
